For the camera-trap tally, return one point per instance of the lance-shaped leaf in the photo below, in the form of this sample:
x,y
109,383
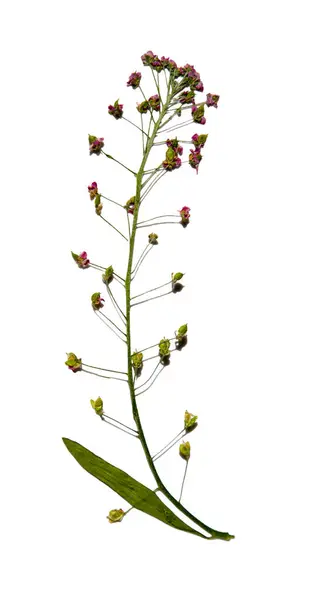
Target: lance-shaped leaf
x,y
137,494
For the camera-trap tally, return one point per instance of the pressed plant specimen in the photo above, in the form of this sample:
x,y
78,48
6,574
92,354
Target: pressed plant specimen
x,y
176,90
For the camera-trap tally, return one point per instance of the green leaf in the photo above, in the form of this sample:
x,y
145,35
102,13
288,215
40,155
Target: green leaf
x,y
137,494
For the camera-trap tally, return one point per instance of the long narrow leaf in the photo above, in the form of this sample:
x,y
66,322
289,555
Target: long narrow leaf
x,y
137,494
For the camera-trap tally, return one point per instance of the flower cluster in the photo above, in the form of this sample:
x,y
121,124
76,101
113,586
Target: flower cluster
x,y
73,362
134,80
97,301
153,103
175,145
81,259
95,144
94,195
116,110
172,160
185,215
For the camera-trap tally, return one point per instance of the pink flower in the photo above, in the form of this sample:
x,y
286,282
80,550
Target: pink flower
x,y
97,301
134,80
195,158
116,110
81,259
198,114
185,215
154,102
95,144
93,190
212,100
199,140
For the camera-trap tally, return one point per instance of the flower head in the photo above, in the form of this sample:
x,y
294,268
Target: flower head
x,y
147,58
73,362
116,515
212,100
97,405
198,114
95,144
97,301
116,110
81,259
185,215
93,190
134,80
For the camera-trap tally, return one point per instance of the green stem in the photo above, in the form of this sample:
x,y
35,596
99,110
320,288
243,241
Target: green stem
x,y
113,226
139,180
118,161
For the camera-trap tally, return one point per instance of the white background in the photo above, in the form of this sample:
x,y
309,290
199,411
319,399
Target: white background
x,y
251,298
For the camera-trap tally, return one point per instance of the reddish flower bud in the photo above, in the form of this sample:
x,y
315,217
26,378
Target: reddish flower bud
x,y
172,161
97,301
198,114
199,140
134,80
154,103
195,158
130,205
175,145
93,190
212,100
95,144
81,260
73,362
143,107
147,58
185,215
187,97
116,110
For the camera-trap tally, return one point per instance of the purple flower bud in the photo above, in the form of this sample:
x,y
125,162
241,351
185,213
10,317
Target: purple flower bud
x,y
198,114
134,80
185,215
116,110
95,144
212,100
154,102
93,190
187,97
199,140
195,158
147,58
143,107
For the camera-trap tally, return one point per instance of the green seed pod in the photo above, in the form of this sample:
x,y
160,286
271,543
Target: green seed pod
x,y
108,276
189,421
164,348
177,276
181,332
